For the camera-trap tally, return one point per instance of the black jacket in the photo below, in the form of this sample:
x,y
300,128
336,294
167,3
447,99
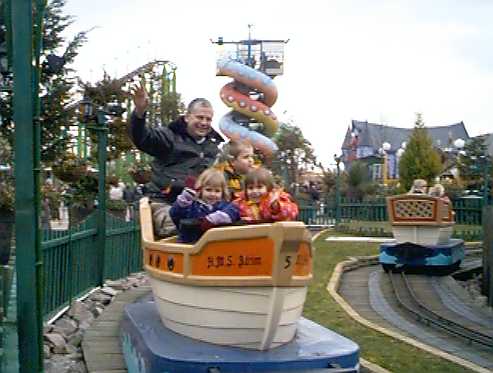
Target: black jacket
x,y
176,154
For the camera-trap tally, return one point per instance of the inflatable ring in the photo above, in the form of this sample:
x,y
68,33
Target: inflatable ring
x,y
249,107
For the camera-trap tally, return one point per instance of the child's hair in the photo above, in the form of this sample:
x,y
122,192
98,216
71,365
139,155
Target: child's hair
x,y
437,190
212,177
419,186
233,149
259,176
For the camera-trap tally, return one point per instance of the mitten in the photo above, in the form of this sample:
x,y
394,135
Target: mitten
x,y
218,218
186,197
205,224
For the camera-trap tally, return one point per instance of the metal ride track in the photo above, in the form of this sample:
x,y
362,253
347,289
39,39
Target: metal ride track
x,y
407,299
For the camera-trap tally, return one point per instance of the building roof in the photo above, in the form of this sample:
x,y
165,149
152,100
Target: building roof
x,y
374,135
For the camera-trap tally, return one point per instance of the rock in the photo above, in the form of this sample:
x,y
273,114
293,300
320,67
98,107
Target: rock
x,y
117,285
55,339
62,349
66,324
109,291
76,339
80,312
46,351
101,298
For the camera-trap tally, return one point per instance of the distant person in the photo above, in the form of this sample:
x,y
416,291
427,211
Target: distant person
x,y
438,190
419,187
209,203
184,148
259,201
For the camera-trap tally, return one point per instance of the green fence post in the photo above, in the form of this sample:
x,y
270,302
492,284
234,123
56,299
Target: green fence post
x,y
102,131
26,171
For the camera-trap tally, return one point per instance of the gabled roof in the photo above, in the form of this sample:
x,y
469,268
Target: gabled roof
x,y
374,135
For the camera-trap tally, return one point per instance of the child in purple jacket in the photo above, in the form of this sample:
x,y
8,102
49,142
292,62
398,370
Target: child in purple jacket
x,y
208,205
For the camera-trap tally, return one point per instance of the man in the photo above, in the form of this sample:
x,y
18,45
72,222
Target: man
x,y
181,150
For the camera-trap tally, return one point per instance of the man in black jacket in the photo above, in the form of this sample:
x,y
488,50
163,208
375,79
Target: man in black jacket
x,y
181,150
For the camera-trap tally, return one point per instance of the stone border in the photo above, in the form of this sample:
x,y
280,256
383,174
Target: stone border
x,y
332,288
364,363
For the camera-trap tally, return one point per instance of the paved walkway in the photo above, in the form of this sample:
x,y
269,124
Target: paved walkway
x,y
101,344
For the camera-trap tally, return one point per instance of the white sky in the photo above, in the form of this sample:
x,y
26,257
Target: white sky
x,y
375,60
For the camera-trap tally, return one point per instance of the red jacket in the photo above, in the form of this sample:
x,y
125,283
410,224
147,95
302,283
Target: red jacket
x,y
286,209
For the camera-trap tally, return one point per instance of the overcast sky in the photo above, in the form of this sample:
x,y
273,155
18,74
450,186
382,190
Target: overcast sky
x,y
378,60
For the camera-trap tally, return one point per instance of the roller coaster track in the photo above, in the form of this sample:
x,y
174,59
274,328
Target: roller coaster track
x,y
408,300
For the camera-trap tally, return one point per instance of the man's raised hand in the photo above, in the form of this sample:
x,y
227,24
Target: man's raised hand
x,y
141,99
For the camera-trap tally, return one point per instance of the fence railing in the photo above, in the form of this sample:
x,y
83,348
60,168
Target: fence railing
x,y
71,262
468,211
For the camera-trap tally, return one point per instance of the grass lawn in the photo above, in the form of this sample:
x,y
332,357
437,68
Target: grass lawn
x,y
380,349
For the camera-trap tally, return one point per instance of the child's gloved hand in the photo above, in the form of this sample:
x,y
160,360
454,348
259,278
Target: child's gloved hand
x,y
218,218
274,202
186,197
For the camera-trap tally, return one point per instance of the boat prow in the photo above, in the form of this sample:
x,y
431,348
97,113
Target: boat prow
x,y
241,286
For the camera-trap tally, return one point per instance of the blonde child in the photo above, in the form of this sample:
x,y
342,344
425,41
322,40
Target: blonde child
x,y
259,201
207,203
239,160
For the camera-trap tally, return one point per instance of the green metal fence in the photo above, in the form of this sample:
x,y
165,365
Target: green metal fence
x,y
72,261
468,211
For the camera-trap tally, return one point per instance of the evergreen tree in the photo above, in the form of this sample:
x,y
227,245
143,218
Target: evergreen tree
x,y
420,160
56,83
109,90
472,161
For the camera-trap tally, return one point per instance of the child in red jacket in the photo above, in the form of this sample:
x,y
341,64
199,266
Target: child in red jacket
x,y
259,201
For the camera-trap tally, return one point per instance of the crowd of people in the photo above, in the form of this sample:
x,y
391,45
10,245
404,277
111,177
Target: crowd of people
x,y
188,181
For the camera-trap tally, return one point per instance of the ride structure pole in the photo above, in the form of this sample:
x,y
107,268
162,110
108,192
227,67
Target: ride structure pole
x,y
28,248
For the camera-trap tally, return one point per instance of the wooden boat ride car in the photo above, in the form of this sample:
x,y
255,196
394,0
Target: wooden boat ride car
x,y
421,219
422,226
241,286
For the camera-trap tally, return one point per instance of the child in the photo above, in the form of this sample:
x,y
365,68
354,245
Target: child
x,y
239,161
260,201
418,187
438,190
208,205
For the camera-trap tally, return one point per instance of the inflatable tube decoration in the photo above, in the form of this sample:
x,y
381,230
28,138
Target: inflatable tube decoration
x,y
242,103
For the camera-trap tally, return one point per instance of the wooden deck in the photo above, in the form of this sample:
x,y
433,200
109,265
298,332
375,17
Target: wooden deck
x,y
101,343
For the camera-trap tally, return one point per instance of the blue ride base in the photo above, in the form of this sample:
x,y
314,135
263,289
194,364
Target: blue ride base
x,y
150,347
419,256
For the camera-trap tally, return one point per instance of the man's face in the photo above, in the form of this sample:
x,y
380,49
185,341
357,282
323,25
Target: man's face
x,y
199,121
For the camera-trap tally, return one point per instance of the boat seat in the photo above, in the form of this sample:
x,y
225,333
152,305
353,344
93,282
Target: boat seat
x,y
419,210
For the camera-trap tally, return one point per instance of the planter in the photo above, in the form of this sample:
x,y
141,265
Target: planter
x,y
7,220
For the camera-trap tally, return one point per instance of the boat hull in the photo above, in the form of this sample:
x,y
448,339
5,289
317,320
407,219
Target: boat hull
x,y
257,318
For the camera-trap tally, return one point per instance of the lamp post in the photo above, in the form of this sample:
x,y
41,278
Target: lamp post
x,y
385,148
96,120
338,189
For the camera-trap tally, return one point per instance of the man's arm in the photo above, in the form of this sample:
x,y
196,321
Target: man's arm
x,y
156,141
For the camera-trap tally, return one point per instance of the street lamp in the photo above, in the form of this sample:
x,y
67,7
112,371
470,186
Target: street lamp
x,y
385,148
338,159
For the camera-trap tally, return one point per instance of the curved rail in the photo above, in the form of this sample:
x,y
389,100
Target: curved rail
x,y
430,317
236,95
